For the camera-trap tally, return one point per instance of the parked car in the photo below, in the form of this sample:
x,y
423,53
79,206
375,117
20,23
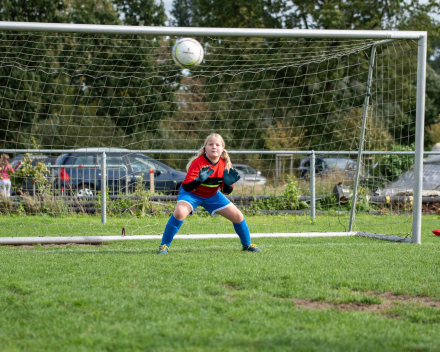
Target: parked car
x,y
28,185
326,165
248,175
404,184
80,170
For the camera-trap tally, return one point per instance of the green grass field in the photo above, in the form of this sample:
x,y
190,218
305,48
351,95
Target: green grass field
x,y
321,294
86,225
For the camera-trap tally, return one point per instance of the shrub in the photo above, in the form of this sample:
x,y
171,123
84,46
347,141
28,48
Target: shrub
x,y
6,206
388,167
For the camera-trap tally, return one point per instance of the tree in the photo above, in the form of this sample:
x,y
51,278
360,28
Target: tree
x,y
141,12
82,90
329,14
21,76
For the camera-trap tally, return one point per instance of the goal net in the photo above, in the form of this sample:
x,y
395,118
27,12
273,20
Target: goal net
x,y
294,113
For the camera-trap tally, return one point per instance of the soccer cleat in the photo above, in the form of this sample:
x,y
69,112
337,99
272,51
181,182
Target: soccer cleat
x,y
251,248
163,249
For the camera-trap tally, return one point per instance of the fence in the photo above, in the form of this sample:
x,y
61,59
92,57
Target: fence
x,y
115,186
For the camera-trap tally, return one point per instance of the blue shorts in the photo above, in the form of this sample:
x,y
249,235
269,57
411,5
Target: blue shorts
x,y
212,204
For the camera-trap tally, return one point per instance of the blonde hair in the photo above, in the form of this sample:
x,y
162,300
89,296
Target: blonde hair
x,y
4,161
224,156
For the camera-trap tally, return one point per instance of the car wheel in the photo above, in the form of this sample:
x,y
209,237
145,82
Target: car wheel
x,y
84,191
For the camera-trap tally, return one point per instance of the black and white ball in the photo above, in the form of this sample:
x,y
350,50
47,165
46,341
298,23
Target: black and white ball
x,y
187,53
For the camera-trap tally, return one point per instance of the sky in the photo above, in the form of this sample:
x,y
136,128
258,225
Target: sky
x,y
168,5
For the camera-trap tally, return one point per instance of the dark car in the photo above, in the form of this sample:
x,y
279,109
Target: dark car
x,y
80,170
326,165
28,186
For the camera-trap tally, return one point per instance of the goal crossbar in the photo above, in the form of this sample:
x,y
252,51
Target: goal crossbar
x,y
224,32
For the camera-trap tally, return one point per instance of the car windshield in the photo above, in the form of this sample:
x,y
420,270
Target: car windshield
x,y
140,164
246,169
340,164
113,161
84,160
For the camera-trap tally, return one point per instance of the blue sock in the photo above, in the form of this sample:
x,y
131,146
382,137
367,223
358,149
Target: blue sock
x,y
242,230
171,229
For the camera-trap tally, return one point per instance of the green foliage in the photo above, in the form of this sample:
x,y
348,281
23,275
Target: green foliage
x,y
388,167
291,194
326,202
288,201
6,206
142,12
432,108
82,93
362,205
37,174
261,114
433,133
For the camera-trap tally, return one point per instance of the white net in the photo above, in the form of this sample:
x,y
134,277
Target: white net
x,y
273,101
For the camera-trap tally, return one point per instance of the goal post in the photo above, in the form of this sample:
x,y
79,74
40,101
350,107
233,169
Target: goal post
x,y
322,97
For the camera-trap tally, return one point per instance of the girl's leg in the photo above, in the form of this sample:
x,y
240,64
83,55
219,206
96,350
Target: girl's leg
x,y
176,220
233,214
2,188
8,188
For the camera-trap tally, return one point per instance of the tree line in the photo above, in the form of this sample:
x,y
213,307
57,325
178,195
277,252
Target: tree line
x,y
155,98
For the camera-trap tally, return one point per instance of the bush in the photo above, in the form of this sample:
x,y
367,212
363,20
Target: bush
x,y
289,200
6,206
26,171
388,167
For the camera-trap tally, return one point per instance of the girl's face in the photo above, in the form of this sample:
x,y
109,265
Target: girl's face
x,y
214,149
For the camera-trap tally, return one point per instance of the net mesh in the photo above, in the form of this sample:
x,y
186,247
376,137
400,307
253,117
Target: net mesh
x,y
270,99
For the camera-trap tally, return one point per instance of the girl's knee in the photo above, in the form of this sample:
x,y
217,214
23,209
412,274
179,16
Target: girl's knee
x,y
238,217
180,214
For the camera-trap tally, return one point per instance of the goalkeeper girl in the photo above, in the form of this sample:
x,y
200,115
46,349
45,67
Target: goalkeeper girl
x,y
209,172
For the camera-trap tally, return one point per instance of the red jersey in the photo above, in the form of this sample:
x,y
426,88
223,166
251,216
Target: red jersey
x,y
210,186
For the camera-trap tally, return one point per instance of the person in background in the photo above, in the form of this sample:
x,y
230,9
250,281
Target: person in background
x,y
5,170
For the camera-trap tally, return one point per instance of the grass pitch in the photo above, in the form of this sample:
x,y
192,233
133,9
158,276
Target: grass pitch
x,y
320,294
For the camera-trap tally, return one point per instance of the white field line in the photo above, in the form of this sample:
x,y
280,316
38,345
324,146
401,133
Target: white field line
x,y
100,239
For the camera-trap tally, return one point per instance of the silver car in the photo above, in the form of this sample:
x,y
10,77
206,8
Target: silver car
x,y
404,184
249,176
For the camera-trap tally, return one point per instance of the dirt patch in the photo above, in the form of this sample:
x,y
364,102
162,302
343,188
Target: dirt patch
x,y
309,304
389,299
231,285
406,299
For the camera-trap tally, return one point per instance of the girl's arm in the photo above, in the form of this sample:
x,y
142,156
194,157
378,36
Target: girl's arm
x,y
226,189
192,180
229,178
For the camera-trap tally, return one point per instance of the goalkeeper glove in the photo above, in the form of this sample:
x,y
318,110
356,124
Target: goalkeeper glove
x,y
204,173
230,176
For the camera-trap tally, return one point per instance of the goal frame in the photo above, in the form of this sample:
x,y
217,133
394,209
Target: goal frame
x,y
384,36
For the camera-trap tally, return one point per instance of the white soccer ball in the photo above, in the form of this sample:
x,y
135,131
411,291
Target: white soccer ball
x,y
187,53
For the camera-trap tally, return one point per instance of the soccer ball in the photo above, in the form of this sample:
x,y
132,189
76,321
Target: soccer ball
x,y
187,53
